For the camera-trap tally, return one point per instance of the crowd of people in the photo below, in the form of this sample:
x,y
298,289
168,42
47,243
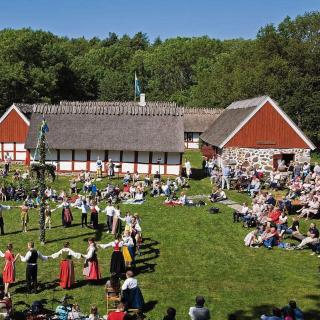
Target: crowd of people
x,y
268,216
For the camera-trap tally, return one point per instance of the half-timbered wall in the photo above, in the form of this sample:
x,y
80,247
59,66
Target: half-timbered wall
x,y
191,140
132,161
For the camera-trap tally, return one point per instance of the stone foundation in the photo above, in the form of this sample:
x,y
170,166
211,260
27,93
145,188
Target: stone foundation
x,y
261,157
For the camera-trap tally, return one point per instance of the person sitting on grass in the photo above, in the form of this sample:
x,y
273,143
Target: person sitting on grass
x,y
94,315
218,195
239,214
251,239
297,313
276,315
293,229
199,312
312,237
270,237
171,314
5,306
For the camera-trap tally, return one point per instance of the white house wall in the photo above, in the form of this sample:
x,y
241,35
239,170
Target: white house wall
x,y
132,161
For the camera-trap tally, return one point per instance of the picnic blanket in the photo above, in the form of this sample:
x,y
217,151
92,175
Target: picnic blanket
x,y
133,201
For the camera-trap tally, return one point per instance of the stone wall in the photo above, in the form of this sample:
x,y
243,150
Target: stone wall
x,y
260,157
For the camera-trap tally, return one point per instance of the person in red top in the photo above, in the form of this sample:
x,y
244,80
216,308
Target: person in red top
x,y
9,267
274,215
118,314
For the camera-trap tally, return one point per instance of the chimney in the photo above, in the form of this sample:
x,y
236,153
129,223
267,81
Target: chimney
x,y
142,102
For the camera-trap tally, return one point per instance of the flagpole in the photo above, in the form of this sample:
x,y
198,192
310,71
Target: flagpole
x,y
135,94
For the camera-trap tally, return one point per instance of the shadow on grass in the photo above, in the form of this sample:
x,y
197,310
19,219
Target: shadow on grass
x,y
149,253
257,311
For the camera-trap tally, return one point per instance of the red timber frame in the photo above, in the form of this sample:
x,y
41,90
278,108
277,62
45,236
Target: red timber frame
x,y
106,154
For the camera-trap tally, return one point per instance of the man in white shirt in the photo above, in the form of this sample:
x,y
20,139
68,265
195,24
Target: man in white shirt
x,y
31,258
109,210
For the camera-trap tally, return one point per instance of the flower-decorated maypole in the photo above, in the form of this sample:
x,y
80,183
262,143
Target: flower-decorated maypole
x,y
42,169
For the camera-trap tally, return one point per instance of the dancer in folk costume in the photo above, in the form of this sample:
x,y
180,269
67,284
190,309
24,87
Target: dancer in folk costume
x,y
116,223
128,249
8,274
117,264
94,218
67,278
91,265
66,214
136,232
31,258
24,216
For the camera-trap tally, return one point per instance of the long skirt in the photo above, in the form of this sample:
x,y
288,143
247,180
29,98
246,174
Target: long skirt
x,y
133,298
66,274
66,217
117,264
8,272
92,271
126,255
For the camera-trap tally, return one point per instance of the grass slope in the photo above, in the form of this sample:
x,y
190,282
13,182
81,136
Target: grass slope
x,y
186,252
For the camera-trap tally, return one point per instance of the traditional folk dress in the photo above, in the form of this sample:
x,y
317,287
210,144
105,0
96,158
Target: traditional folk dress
x,y
128,250
91,266
116,224
8,274
94,218
132,295
117,264
67,278
66,215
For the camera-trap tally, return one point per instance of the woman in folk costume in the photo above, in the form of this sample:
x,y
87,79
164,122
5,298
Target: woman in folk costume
x,y
94,218
116,224
66,277
117,264
128,249
8,274
91,266
66,214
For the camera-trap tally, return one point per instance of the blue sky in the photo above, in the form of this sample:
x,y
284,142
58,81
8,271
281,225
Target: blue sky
x,y
223,19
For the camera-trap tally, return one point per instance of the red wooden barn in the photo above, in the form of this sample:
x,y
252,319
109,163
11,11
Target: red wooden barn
x,y
257,131
14,126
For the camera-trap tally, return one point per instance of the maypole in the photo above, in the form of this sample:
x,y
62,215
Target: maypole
x,y
42,169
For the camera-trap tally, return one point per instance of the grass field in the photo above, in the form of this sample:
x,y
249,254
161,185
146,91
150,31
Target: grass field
x,y
186,252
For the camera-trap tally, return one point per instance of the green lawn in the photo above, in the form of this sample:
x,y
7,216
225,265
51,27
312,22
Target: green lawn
x,y
186,252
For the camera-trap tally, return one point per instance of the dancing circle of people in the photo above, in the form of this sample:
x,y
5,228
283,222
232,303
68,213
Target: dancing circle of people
x,y
124,248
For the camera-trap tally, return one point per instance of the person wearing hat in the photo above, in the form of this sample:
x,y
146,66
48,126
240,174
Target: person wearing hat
x,y
199,312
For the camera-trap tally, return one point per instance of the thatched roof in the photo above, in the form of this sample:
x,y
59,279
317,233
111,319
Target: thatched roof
x,y
199,119
110,126
25,108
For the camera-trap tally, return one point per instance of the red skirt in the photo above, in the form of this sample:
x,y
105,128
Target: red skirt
x,y
66,274
8,274
93,272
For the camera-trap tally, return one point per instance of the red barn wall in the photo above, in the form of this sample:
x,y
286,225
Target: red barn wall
x,y
267,129
13,128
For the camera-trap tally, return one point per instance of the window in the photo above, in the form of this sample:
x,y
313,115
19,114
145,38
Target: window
x,y
188,136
